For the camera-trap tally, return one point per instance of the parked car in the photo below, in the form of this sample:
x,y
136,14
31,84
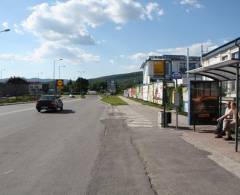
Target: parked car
x,y
49,102
71,96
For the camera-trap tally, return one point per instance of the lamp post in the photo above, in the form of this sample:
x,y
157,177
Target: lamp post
x,y
59,70
54,66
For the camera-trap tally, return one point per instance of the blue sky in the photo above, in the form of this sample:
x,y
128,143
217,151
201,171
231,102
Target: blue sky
x,y
102,37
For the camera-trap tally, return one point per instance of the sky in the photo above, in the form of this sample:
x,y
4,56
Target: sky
x,y
103,37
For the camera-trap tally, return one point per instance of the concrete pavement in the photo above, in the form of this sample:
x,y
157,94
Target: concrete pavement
x,y
173,165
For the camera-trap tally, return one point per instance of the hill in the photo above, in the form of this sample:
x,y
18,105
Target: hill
x,y
122,81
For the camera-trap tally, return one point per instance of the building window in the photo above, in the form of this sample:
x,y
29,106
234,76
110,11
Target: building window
x,y
224,58
235,55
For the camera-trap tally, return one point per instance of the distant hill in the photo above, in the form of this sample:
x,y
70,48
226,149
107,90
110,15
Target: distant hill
x,y
123,81
137,76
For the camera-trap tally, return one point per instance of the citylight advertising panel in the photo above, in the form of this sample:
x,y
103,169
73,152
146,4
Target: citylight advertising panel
x,y
158,93
204,102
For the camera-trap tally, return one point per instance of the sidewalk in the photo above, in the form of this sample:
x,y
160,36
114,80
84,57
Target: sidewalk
x,y
182,161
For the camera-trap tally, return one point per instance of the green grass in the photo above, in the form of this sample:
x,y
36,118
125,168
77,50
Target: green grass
x,y
113,100
17,99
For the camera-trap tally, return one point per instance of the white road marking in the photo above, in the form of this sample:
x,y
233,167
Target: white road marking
x,y
134,119
16,111
8,172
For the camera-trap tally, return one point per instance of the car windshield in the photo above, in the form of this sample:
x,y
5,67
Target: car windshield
x,y
47,97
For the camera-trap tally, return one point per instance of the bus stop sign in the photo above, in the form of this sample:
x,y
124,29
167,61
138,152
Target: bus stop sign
x,y
176,75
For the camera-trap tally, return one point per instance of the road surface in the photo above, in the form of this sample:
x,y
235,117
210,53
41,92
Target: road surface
x,y
60,153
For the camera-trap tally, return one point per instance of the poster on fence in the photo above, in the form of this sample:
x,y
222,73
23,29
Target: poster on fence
x,y
158,93
150,93
204,102
145,92
185,99
133,92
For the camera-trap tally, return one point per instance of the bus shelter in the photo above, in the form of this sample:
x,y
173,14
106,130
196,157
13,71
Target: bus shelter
x,y
228,70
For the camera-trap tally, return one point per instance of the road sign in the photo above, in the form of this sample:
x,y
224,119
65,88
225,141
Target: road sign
x,y
176,75
59,83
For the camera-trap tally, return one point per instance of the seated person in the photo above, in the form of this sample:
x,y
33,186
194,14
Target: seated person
x,y
229,121
221,123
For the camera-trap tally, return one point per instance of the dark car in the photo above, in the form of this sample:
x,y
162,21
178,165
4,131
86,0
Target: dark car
x,y
49,102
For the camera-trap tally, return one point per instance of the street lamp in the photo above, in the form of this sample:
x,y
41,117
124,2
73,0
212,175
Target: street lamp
x,y
54,65
5,30
59,70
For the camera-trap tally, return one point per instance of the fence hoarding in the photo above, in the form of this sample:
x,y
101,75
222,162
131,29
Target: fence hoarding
x,y
145,92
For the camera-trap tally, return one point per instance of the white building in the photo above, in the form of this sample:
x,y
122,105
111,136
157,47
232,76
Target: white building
x,y
173,63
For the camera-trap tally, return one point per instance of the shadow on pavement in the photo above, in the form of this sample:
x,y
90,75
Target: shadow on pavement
x,y
66,111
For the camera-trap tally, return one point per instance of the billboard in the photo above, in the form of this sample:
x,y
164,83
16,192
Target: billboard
x,y
204,102
158,68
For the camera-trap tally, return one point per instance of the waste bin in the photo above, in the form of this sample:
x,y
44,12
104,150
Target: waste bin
x,y
168,118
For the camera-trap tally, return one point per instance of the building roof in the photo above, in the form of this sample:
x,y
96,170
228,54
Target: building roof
x,y
223,71
222,48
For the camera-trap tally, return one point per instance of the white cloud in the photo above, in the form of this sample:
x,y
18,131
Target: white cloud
x,y
191,3
118,27
153,8
64,26
68,21
111,61
71,54
5,25
143,56
49,49
194,50
17,29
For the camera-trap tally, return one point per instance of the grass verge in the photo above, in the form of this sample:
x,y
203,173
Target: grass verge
x,y
113,100
17,99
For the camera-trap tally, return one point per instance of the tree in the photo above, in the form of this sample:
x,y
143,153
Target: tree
x,y
82,85
17,80
17,86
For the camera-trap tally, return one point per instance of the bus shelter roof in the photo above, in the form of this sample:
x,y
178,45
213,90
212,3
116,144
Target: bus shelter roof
x,y
223,71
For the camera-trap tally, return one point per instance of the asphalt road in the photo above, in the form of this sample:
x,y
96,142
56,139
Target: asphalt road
x,y
49,153
82,150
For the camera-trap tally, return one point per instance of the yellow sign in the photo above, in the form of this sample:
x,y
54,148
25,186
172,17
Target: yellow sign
x,y
158,68
59,84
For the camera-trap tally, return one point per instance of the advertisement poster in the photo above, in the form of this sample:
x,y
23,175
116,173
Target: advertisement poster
x,y
204,102
133,92
145,92
158,68
150,93
158,93
185,99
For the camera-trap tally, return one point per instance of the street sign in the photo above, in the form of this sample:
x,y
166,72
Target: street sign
x,y
176,75
59,84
